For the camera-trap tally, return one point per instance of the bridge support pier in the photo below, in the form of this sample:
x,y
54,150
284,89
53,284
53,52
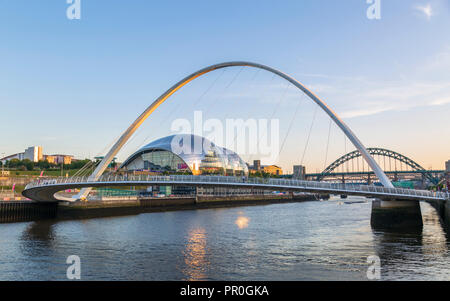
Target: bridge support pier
x,y
396,214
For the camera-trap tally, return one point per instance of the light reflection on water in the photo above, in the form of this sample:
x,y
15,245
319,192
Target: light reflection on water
x,y
242,221
195,255
298,241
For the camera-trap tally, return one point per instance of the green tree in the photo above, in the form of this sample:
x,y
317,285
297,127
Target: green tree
x,y
28,164
14,163
43,165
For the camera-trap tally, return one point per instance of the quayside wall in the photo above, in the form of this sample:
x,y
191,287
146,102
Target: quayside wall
x,y
21,211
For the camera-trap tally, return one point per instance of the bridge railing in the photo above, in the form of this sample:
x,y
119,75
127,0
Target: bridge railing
x,y
268,182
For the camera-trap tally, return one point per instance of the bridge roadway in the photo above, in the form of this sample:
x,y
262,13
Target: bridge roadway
x,y
45,190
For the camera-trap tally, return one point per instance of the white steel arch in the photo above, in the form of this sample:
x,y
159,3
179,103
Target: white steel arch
x,y
137,123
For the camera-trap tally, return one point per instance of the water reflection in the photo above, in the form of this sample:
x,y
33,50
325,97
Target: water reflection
x,y
433,236
393,247
411,248
41,231
195,255
296,241
242,222
38,239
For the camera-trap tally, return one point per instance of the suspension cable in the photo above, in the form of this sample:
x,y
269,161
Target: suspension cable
x,y
207,90
251,81
283,95
328,143
224,90
309,135
290,125
167,118
89,164
175,109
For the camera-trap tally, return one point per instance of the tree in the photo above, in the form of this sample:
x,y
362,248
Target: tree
x,y
13,163
28,164
43,165
77,164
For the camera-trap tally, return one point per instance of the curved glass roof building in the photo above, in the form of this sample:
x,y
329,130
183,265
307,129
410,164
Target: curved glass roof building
x,y
186,153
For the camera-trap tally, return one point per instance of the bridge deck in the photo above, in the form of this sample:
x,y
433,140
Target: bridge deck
x,y
45,190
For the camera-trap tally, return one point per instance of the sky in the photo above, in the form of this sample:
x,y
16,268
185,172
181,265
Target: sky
x,y
73,86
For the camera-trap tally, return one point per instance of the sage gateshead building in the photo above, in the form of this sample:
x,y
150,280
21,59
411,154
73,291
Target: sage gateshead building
x,y
186,153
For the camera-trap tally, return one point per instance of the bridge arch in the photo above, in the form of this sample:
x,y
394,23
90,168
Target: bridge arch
x,y
137,123
375,151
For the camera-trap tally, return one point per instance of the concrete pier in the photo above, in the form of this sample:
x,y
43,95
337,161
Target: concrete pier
x,y
396,214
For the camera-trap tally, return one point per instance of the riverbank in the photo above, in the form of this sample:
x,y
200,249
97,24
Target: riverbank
x,y
130,206
27,211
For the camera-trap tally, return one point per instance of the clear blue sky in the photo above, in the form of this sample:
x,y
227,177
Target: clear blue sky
x,y
73,86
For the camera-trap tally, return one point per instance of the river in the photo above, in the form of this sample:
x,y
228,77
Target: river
x,y
328,240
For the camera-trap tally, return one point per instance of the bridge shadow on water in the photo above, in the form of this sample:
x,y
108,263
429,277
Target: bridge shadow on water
x,y
41,230
38,235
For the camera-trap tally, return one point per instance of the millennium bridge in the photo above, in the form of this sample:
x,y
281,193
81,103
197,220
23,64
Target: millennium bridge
x,y
402,202
46,190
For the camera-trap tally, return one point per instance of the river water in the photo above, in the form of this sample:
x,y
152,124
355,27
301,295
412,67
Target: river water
x,y
328,240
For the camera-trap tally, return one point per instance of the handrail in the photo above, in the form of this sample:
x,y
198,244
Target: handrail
x,y
274,183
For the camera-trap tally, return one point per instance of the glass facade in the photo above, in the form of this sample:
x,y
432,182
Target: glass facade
x,y
186,153
159,160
